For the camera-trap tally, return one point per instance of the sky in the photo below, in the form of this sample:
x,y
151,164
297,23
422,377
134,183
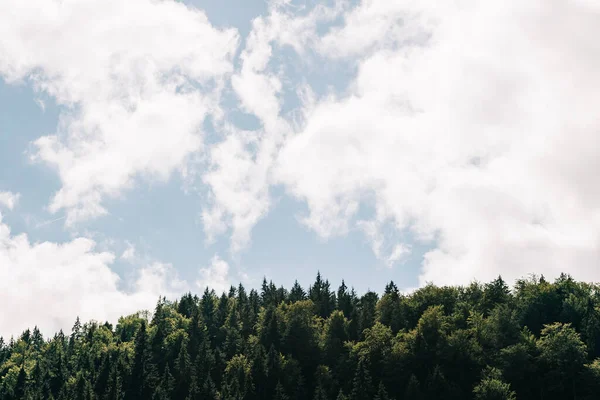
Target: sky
x,y
156,147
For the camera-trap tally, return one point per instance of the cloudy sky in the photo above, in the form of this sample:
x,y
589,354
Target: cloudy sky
x,y
151,147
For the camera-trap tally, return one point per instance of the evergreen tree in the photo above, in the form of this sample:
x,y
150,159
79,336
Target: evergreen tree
x,y
101,385
233,337
367,313
362,387
344,300
322,297
492,387
237,384
413,389
187,305
83,389
341,396
166,387
279,392
183,373
297,293
381,393
542,340
20,389
143,373
269,330
115,385
259,373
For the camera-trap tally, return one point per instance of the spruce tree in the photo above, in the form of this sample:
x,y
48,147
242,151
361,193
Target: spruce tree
x,y
183,372
297,293
362,387
381,392
20,388
143,373
413,389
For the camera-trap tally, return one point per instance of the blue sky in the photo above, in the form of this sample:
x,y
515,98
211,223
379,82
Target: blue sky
x,y
164,146
163,222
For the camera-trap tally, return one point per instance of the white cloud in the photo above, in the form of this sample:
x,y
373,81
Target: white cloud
x,y
215,276
239,175
129,254
49,284
473,123
383,246
137,79
9,200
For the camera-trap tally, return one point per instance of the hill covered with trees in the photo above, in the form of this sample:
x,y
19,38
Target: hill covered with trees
x,y
538,340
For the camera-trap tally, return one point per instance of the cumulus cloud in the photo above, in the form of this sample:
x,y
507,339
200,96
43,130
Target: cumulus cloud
x,y
240,167
470,123
129,254
215,276
136,79
48,284
9,200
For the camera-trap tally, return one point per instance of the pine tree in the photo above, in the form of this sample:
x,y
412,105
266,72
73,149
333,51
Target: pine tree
x,y
101,385
362,387
183,372
269,332
115,391
344,301
233,337
208,306
437,386
341,396
21,385
238,378
209,390
75,335
280,393
160,333
413,389
205,362
336,334
492,387
297,293
381,393
259,373
167,384
58,375
320,393
196,334
322,296
368,307
83,388
274,370
143,372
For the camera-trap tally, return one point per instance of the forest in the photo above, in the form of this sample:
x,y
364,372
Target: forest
x,y
536,339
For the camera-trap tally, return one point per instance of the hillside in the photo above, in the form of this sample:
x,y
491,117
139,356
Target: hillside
x,y
536,340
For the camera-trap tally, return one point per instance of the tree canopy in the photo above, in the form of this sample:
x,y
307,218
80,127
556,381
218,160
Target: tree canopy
x,y
536,340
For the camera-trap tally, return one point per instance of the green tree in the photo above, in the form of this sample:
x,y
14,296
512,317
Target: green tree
x,y
297,293
238,378
184,375
563,356
413,389
492,387
362,386
322,296
143,372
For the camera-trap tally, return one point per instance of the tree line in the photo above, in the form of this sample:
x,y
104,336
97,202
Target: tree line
x,y
536,340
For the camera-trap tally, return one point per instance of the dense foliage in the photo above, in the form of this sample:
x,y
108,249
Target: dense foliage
x,y
540,340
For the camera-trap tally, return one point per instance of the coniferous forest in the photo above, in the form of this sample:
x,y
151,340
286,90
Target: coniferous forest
x,y
535,340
